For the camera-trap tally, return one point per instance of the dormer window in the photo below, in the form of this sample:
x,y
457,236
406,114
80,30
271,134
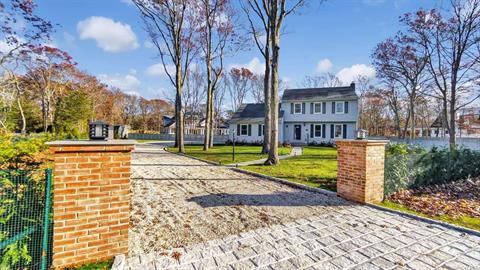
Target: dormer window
x,y
339,107
297,108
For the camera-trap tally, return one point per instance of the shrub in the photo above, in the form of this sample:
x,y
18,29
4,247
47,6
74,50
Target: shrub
x,y
26,153
411,166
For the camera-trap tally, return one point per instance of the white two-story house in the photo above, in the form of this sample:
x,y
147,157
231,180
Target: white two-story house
x,y
306,115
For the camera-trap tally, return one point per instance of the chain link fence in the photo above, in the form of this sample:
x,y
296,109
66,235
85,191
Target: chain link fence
x,y
25,219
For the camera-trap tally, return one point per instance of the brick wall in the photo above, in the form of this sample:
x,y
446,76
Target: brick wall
x,y
91,201
360,174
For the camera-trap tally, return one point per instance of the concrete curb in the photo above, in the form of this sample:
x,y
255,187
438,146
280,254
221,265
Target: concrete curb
x,y
119,262
285,182
331,193
424,219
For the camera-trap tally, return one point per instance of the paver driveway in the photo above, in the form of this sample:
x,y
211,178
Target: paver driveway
x,y
191,215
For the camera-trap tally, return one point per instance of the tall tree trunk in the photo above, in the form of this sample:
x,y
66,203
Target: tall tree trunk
x,y
212,122
179,127
20,108
412,116
452,131
275,42
207,133
266,91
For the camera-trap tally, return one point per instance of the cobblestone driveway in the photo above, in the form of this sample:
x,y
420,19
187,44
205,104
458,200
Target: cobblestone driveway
x,y
191,215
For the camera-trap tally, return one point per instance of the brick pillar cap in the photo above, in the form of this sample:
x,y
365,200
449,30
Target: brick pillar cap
x,y
367,142
92,142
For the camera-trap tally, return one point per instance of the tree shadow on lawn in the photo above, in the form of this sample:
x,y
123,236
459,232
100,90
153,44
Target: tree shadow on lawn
x,y
298,198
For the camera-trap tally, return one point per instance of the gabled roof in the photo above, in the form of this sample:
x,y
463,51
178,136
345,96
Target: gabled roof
x,y
325,93
252,110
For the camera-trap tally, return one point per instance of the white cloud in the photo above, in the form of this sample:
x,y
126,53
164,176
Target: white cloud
x,y
159,70
148,44
110,35
349,74
128,83
373,2
128,2
254,66
69,38
324,65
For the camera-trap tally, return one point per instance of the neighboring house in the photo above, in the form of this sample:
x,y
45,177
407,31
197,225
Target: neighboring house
x,y
306,115
194,125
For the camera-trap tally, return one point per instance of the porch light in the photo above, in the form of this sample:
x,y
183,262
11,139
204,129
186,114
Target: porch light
x,y
361,134
98,130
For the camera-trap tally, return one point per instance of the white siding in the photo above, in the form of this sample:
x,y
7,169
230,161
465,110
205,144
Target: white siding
x,y
351,116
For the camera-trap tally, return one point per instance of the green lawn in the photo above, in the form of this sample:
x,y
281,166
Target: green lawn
x,y
463,221
102,265
317,167
223,153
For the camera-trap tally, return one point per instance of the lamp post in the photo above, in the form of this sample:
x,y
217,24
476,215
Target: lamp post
x,y
361,134
98,130
233,145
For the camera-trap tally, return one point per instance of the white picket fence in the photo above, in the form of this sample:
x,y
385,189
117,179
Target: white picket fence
x,y
189,138
428,143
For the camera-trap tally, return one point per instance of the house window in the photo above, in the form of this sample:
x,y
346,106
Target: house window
x,y
243,129
339,107
297,108
317,107
318,131
338,131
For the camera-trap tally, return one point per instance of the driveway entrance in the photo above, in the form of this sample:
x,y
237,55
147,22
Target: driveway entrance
x,y
191,215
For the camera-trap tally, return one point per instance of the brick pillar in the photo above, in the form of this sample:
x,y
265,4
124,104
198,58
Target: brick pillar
x,y
360,176
91,204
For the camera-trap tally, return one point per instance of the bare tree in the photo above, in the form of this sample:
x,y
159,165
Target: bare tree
x,y
399,60
217,33
171,27
276,11
323,80
194,94
453,49
258,19
239,84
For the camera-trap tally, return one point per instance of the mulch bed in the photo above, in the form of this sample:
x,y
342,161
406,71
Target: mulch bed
x,y
460,198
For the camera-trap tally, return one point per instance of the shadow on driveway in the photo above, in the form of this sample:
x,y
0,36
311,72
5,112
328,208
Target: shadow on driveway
x,y
300,198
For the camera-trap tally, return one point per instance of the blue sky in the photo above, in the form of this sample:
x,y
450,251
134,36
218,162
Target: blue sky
x,y
106,39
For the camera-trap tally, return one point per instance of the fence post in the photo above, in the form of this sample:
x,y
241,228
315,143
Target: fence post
x,y
361,165
46,218
91,205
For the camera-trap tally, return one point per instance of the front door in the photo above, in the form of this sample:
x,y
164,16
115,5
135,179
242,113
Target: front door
x,y
297,133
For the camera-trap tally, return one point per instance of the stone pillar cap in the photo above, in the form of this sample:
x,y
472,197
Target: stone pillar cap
x,y
362,141
91,142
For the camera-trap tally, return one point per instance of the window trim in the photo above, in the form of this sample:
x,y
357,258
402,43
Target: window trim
x,y
241,130
295,108
314,131
335,131
314,106
343,107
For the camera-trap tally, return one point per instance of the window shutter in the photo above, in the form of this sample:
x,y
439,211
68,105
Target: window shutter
x,y
238,129
291,108
346,106
324,107
311,108
332,130
249,130
333,107
323,131
344,131
303,108
259,129
312,131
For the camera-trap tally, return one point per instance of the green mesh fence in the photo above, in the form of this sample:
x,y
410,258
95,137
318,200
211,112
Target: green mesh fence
x,y
25,218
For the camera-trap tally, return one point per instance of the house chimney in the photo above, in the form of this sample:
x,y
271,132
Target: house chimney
x,y
352,85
